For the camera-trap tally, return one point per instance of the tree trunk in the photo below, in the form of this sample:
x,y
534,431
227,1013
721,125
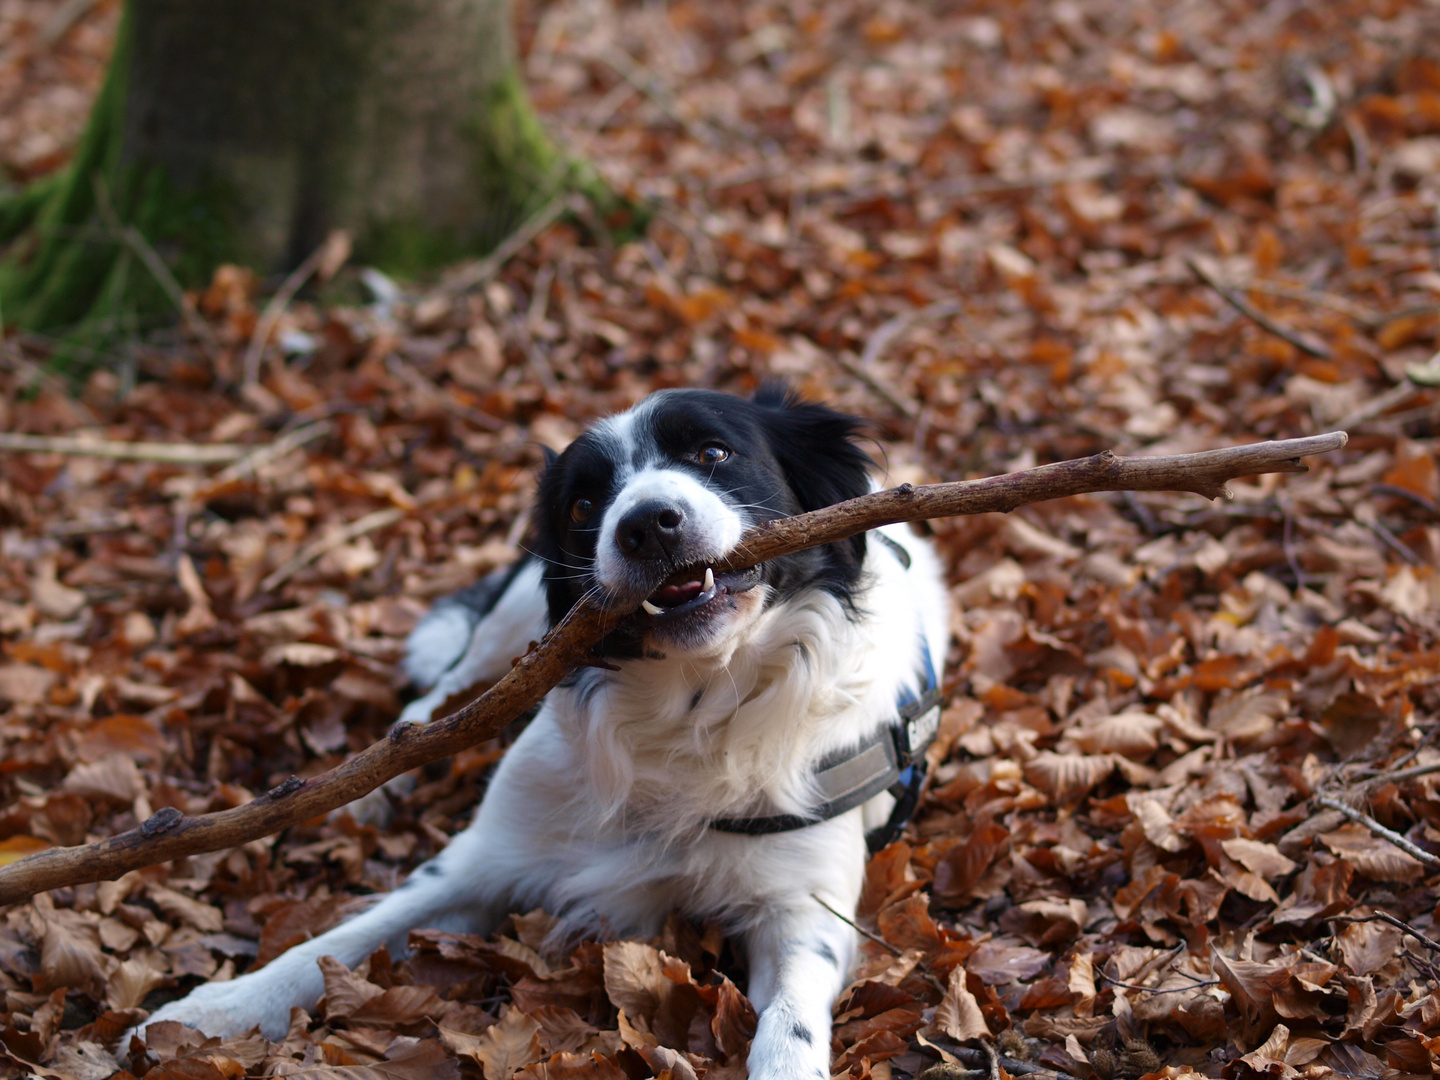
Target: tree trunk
x,y
245,130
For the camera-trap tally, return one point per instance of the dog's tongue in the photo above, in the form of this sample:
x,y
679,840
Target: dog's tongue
x,y
671,594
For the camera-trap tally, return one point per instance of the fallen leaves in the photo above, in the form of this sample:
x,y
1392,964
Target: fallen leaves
x,y
971,226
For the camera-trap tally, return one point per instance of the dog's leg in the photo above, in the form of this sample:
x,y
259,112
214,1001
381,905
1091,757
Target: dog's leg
x,y
468,638
517,617
443,892
799,960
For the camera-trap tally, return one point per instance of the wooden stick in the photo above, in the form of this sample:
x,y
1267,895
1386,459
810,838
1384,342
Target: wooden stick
x,y
1417,853
312,551
1250,311
166,453
170,834
325,261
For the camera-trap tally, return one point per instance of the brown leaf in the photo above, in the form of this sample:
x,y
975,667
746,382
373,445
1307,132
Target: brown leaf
x,y
398,1006
567,1066
505,1049
960,868
958,1015
345,992
24,684
1371,856
1366,947
133,736
1067,778
70,955
1258,857
187,909
131,981
426,1060
114,776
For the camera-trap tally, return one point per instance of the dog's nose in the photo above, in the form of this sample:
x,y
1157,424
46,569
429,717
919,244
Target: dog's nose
x,y
650,530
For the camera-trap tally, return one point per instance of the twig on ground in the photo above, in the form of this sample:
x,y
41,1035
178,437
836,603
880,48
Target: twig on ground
x,y
66,15
1409,774
1386,917
377,519
1361,314
1430,506
165,453
141,248
1153,990
877,384
990,1053
325,260
1381,403
1417,853
170,834
478,273
979,1059
864,368
876,938
1250,311
291,440
428,390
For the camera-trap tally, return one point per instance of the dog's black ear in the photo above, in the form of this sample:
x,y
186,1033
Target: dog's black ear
x,y
815,447
549,455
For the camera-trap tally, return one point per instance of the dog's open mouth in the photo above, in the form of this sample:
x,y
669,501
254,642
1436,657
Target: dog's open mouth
x,y
692,588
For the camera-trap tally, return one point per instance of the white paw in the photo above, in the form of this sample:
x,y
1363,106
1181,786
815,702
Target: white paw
x,y
224,1010
795,1052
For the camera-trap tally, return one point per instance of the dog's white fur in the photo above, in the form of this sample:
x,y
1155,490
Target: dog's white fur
x,y
598,812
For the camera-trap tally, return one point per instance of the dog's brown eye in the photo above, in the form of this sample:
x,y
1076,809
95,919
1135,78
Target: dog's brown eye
x,y
712,454
580,510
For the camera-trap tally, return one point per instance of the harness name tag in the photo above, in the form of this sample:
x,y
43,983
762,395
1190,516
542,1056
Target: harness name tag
x,y
922,729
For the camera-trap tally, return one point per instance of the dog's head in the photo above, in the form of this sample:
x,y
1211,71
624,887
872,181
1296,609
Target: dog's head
x,y
645,501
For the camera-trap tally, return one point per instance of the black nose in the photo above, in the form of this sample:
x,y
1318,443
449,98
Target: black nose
x,y
650,530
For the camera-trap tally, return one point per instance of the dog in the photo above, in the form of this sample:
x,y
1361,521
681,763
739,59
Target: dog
x,y
744,739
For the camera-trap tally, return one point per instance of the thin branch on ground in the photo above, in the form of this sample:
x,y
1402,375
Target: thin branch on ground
x,y
325,260
1380,404
978,1059
1251,312
142,249
1386,917
1361,314
378,519
428,391
1155,990
291,440
164,453
1417,853
990,1053
170,834
864,368
478,273
876,938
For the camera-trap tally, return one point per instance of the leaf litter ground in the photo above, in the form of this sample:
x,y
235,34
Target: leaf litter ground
x,y
972,223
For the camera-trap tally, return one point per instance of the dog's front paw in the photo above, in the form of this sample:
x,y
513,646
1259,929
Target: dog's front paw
x,y
790,1052
224,1010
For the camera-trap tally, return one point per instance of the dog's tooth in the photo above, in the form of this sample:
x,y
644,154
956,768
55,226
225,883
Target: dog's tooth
x,y
709,579
651,608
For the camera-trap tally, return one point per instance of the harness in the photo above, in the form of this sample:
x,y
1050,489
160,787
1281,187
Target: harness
x,y
892,759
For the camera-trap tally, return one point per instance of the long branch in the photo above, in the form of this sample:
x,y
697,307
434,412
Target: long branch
x,y
170,834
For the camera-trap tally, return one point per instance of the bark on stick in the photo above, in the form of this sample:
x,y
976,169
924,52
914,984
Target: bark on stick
x,y
171,835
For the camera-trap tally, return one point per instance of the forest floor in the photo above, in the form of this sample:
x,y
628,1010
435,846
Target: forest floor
x,y
1006,233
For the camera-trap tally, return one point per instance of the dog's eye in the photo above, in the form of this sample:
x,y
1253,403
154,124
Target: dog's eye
x,y
580,510
712,454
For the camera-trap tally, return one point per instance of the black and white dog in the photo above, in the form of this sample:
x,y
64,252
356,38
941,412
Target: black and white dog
x,y
753,730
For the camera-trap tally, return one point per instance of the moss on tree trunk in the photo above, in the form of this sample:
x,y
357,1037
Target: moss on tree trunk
x,y
245,130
